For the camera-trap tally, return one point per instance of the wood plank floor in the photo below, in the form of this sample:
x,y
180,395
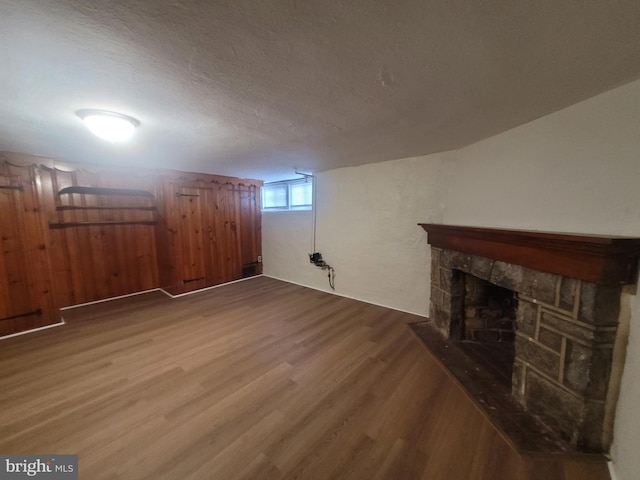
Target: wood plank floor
x,y
255,380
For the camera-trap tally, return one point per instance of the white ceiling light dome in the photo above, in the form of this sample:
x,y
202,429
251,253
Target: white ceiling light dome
x,y
111,126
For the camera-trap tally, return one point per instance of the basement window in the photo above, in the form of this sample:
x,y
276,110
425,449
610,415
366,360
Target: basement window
x,y
287,195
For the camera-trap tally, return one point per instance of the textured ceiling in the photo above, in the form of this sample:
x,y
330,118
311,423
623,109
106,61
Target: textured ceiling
x,y
254,88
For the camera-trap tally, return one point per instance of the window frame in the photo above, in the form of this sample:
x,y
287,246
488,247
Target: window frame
x,y
288,207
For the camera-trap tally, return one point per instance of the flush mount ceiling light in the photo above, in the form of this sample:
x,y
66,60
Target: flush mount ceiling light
x,y
110,126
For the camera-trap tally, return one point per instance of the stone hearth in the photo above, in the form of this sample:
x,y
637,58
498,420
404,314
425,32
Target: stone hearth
x,y
566,325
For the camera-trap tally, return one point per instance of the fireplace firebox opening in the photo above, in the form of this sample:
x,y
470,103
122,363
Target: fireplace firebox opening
x,y
488,326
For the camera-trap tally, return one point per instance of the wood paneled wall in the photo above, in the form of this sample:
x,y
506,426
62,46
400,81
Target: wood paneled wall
x,y
102,231
73,234
213,231
26,297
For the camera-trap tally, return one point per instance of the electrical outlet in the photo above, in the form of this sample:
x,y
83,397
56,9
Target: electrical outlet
x,y
259,258
316,258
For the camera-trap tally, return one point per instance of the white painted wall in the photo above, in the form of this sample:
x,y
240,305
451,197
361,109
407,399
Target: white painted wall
x,y
577,170
367,230
287,239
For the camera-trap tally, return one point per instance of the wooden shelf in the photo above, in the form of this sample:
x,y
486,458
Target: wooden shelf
x,y
12,187
607,260
123,192
97,224
142,203
82,207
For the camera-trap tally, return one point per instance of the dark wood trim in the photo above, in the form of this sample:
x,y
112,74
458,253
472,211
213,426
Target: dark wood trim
x,y
608,260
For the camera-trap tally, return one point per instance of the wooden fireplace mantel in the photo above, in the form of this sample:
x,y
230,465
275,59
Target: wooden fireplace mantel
x,y
606,260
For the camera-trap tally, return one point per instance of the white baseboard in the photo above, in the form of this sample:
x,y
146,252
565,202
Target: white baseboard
x,y
33,330
348,296
112,298
118,297
210,288
612,472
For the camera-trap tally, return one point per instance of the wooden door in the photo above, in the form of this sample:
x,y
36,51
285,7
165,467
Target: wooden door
x,y
191,264
227,221
208,231
250,238
25,301
213,237
212,233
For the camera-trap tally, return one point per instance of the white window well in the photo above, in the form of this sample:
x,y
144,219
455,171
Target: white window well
x,y
287,195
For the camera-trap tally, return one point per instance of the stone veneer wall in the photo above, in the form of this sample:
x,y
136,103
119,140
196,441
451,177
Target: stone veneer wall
x,y
565,335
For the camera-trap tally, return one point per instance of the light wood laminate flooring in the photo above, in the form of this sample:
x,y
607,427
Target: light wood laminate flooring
x,y
259,379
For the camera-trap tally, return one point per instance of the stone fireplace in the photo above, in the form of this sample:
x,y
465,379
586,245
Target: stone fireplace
x,y
562,294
